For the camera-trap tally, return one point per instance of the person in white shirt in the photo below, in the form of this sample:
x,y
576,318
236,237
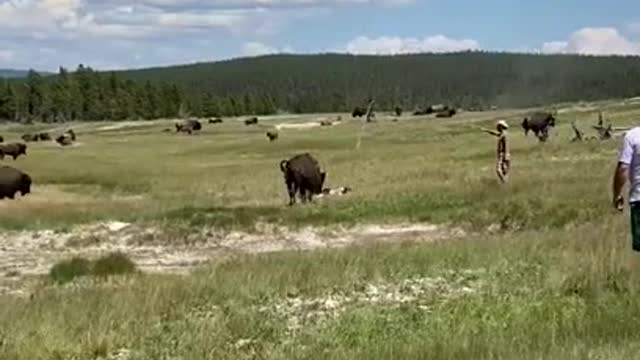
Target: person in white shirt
x,y
628,169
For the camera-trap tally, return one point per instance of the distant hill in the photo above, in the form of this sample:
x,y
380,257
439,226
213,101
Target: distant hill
x,y
337,82
17,74
321,83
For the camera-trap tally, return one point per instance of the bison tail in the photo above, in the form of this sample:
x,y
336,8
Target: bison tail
x,y
283,165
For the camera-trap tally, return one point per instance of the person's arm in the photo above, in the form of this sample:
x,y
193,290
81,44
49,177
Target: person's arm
x,y
492,132
622,173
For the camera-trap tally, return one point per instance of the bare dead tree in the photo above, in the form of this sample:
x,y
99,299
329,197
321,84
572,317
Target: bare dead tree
x,y
579,135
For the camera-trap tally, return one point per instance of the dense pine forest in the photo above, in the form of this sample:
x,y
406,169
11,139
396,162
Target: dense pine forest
x,y
318,83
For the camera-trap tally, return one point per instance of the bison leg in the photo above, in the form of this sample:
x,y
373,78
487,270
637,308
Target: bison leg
x,y
303,194
291,187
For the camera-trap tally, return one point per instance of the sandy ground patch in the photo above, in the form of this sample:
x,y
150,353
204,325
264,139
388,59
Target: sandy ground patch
x,y
27,253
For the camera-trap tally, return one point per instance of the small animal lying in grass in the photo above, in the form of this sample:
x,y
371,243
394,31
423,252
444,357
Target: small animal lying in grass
x,y
12,181
335,192
302,175
14,150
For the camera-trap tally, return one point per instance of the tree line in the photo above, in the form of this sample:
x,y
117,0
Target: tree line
x,y
319,83
89,95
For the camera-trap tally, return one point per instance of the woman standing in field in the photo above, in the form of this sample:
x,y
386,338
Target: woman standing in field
x,y
503,161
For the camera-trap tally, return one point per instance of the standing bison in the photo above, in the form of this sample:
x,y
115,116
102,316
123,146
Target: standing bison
x,y
358,112
14,150
251,121
302,174
12,181
272,135
188,126
539,123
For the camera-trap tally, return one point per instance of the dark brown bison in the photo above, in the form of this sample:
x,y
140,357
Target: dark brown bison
x,y
215,121
398,111
302,175
251,121
64,140
14,150
446,113
188,126
272,135
358,112
29,137
326,123
43,136
1,139
539,123
12,181
71,134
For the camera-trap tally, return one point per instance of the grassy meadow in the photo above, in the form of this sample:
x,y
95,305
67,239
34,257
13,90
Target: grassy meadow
x,y
549,281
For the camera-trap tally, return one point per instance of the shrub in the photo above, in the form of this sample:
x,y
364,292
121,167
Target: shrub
x,y
116,263
67,270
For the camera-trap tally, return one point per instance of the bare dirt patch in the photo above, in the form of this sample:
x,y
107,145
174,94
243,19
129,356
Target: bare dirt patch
x,y
24,254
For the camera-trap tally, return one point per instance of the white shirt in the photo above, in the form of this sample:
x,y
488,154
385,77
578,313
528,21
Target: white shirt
x,y
630,155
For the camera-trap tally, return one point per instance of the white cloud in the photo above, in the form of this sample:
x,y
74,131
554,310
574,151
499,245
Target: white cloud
x,y
594,41
254,48
398,45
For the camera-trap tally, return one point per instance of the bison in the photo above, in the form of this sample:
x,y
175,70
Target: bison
x,y
64,140
539,123
358,112
251,121
1,139
71,134
302,175
12,181
446,113
326,123
188,126
272,135
398,111
43,136
215,121
29,137
14,150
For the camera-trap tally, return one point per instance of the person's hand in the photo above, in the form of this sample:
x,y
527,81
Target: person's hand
x,y
618,203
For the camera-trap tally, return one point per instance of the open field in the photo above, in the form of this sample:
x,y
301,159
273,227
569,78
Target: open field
x,y
428,257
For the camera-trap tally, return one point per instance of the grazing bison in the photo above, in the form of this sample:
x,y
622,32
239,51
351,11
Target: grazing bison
x,y
302,175
446,113
272,135
215,121
14,150
12,181
398,111
64,140
188,126
326,123
539,123
251,121
29,137
71,134
43,136
358,112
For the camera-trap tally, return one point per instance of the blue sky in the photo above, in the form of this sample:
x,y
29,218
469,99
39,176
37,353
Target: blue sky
x,y
116,34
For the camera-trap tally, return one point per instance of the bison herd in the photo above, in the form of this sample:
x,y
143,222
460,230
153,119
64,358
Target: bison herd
x,y
302,173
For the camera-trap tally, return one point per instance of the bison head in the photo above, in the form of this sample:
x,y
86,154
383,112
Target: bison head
x,y
551,121
25,186
323,176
